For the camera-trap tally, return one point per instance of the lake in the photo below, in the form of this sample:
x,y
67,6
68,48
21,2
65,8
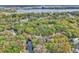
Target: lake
x,y
46,10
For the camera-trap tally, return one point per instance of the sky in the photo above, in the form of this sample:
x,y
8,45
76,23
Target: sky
x,y
39,2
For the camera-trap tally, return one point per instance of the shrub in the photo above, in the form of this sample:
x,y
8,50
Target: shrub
x,y
59,43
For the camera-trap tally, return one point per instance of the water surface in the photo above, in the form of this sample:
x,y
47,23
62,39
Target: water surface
x,y
46,10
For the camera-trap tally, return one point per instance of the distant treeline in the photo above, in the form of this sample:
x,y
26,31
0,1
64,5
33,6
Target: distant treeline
x,y
40,6
55,8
